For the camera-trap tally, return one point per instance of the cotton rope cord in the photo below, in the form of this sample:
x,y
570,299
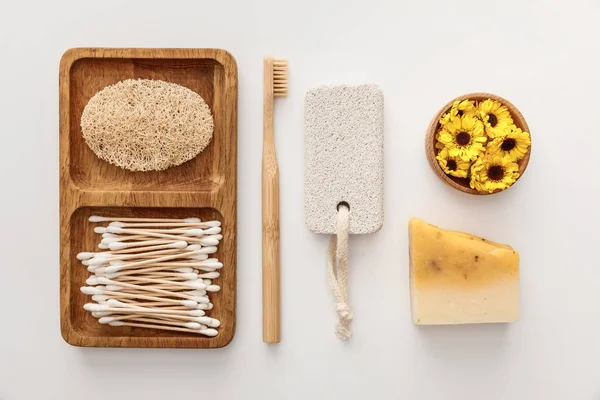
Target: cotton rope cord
x,y
338,273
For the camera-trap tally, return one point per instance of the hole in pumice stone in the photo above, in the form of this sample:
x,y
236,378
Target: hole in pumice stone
x,y
343,203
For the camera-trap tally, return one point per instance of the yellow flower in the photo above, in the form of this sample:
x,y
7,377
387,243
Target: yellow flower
x,y
464,137
438,145
459,108
453,165
495,116
492,172
513,146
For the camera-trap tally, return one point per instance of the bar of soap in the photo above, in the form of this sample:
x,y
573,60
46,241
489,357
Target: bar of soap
x,y
458,278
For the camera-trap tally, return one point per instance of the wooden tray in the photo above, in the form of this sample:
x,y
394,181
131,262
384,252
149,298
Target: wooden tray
x,y
204,187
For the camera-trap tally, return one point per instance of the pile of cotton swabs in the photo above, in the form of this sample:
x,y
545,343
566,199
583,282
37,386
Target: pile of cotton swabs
x,y
154,273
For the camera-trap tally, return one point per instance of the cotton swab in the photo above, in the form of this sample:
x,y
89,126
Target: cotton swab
x,y
101,259
108,282
140,318
122,224
180,244
97,218
116,229
100,308
91,290
207,332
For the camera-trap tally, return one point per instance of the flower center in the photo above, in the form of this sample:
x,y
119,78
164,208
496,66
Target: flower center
x,y
492,119
451,164
496,172
508,144
463,138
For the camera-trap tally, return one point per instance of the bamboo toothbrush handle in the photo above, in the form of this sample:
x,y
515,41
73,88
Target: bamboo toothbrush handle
x,y
270,222
270,248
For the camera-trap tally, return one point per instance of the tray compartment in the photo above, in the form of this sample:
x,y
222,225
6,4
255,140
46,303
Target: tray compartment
x,y
83,238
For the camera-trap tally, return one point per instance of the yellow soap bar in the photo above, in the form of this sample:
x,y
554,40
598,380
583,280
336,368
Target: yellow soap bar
x,y
457,278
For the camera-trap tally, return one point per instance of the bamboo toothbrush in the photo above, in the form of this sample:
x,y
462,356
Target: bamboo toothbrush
x,y
275,85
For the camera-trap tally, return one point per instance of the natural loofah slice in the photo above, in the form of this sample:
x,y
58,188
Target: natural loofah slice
x,y
146,125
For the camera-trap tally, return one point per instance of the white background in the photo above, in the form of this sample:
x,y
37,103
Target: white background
x,y
542,55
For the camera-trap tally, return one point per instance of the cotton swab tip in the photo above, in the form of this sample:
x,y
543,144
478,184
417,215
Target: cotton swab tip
x,y
209,242
212,231
92,280
116,323
115,303
184,269
100,270
85,255
100,229
189,303
209,332
213,288
208,321
106,320
103,281
112,269
178,245
195,232
117,224
117,246
193,325
196,313
91,290
114,229
100,297
196,284
94,307
96,218
98,261
193,247
190,276
192,220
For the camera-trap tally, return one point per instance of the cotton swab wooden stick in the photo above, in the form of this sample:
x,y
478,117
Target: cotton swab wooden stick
x,y
97,218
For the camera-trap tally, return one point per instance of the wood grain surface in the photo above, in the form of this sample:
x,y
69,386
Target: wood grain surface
x,y
204,186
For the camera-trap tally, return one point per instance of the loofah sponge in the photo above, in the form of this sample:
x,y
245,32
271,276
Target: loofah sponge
x,y
147,125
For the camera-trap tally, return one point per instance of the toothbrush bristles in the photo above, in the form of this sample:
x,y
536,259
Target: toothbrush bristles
x,y
280,77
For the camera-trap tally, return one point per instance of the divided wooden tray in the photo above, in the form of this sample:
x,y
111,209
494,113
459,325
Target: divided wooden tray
x,y
204,187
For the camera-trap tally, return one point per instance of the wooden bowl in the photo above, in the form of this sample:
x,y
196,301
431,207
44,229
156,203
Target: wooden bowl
x,y
462,184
